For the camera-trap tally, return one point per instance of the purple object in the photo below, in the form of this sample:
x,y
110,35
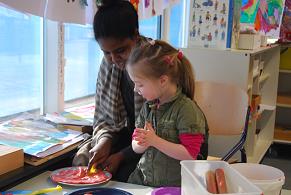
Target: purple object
x,y
167,191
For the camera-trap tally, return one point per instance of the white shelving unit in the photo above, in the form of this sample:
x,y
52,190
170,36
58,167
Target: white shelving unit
x,y
256,72
283,123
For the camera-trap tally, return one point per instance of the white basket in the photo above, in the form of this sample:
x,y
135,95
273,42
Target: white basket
x,y
193,178
269,179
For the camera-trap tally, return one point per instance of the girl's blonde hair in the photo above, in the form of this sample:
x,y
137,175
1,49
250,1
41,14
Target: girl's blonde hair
x,y
159,58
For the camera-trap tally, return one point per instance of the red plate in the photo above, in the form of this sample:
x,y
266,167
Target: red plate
x,y
77,176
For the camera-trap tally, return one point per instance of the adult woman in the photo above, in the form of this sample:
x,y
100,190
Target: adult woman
x,y
116,32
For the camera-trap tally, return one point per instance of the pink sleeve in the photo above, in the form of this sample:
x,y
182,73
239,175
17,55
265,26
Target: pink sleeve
x,y
192,143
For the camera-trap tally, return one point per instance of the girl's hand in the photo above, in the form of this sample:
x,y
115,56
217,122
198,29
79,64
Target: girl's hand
x,y
146,137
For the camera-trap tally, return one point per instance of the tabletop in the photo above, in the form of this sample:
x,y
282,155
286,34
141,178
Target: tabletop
x,y
43,181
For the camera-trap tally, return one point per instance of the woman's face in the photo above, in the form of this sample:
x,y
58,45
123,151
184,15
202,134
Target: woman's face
x,y
117,51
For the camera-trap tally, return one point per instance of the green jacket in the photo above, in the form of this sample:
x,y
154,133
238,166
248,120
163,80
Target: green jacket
x,y
180,115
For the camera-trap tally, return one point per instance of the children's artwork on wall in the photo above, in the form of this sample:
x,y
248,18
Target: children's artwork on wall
x,y
150,8
249,10
264,16
268,18
210,23
285,31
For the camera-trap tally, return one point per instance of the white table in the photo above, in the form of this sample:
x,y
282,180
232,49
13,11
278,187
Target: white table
x,y
42,181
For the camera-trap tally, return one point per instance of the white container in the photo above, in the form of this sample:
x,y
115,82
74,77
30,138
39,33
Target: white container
x,y
137,148
267,178
264,40
193,178
249,41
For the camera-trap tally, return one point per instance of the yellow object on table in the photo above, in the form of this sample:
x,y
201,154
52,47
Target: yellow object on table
x,y
47,190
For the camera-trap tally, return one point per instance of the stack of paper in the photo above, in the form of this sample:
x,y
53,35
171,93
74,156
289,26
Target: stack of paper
x,y
36,136
82,116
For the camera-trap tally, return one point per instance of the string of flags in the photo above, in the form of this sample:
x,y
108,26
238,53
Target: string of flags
x,y
80,11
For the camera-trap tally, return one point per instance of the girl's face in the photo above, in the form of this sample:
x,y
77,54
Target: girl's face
x,y
148,87
116,51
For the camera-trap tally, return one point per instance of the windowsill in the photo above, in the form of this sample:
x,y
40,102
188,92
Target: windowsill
x,y
80,101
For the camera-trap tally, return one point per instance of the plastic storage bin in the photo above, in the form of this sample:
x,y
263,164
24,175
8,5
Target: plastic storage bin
x,y
193,178
269,179
249,41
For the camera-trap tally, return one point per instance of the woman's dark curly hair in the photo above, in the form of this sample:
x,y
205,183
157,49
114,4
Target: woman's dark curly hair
x,y
115,19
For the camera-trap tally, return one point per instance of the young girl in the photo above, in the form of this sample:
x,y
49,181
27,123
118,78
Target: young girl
x,y
170,127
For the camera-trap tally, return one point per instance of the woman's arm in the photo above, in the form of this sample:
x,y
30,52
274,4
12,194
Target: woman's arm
x,y
106,117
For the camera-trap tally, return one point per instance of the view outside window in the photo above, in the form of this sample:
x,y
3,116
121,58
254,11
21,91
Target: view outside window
x,y
176,20
149,27
83,57
20,62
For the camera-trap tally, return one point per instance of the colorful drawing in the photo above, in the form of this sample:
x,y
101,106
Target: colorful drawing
x,y
135,4
268,19
249,11
207,3
285,31
213,21
264,15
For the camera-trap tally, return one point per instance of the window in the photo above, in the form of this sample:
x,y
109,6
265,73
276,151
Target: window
x,y
20,61
83,57
149,27
176,24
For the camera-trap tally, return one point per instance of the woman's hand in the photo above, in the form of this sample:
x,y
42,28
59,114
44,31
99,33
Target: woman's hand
x,y
146,137
112,163
100,152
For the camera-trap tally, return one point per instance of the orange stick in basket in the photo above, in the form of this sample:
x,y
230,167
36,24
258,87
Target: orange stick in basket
x,y
220,180
211,182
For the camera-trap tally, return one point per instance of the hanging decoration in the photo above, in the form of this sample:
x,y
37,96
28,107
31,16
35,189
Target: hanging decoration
x,y
81,11
150,8
285,31
135,4
67,11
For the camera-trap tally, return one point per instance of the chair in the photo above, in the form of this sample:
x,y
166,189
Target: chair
x,y
226,110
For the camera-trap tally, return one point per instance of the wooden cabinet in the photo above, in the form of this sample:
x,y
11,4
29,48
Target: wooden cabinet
x,y
256,72
283,116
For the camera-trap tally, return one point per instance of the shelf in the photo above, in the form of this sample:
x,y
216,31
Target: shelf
x,y
285,45
249,87
284,100
285,71
282,134
260,150
256,73
263,78
265,107
256,51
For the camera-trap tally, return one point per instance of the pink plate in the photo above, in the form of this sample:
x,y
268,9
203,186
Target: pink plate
x,y
77,176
